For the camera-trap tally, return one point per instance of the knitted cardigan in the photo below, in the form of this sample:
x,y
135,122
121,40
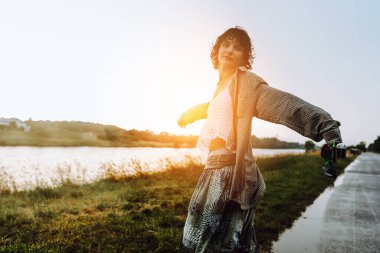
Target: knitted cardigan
x,y
253,97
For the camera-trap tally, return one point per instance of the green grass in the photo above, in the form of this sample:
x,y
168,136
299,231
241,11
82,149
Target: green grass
x,y
146,212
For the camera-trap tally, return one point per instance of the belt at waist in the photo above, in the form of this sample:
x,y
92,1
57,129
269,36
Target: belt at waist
x,y
217,143
220,161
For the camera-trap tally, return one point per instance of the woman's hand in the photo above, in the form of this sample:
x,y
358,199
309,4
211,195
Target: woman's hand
x,y
327,151
184,120
329,154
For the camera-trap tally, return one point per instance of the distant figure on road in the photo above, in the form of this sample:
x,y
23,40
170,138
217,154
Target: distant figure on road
x,y
222,208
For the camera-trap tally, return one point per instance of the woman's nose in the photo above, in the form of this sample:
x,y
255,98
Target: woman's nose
x,y
229,49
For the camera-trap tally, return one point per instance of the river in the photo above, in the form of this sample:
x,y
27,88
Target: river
x,y
28,167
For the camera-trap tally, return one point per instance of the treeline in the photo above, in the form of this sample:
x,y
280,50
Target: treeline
x,y
273,143
362,146
77,133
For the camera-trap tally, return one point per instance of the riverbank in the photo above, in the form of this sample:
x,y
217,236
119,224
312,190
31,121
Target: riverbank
x,y
146,212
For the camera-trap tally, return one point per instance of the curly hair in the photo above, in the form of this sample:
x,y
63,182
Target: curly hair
x,y
241,36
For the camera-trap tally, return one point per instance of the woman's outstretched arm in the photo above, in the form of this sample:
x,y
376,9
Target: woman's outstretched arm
x,y
281,107
193,114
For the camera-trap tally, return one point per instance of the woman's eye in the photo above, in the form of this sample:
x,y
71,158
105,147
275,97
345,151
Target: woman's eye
x,y
238,48
225,44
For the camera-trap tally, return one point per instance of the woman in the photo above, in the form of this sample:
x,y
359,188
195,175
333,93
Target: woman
x,y
222,208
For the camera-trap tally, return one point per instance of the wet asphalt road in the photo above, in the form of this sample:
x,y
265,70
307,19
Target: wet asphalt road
x,y
351,221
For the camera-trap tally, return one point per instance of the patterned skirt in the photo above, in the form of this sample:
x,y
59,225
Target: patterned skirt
x,y
215,224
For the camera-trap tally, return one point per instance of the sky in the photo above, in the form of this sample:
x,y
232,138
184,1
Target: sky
x,y
141,64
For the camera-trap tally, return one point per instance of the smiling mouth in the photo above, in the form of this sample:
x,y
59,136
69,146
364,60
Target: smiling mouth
x,y
227,58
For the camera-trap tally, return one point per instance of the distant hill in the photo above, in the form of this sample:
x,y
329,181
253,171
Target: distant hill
x,y
14,132
77,133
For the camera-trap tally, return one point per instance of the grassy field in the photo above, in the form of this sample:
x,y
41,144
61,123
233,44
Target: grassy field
x,y
146,212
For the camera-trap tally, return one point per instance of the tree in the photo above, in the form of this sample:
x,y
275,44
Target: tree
x,y
309,146
375,146
361,146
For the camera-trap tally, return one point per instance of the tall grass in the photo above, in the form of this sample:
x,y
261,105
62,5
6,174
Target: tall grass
x,y
145,211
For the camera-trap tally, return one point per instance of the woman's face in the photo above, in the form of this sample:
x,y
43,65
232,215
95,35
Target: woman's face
x,y
230,54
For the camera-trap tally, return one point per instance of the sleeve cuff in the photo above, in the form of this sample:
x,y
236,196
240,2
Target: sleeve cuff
x,y
332,136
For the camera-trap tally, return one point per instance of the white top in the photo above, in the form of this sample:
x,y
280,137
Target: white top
x,y
218,122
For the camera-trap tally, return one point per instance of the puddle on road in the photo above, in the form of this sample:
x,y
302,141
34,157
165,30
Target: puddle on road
x,y
304,235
